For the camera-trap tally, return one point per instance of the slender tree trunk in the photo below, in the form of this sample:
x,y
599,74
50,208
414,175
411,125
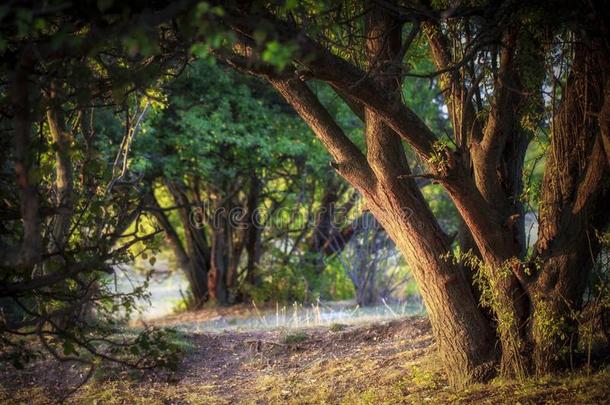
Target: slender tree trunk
x,y
221,248
194,264
62,139
253,233
323,228
31,247
218,268
195,244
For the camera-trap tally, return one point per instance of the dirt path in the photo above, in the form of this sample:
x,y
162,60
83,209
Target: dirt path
x,y
246,367
381,363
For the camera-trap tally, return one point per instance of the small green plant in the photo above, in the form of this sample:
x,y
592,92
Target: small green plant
x,y
296,337
337,327
423,378
438,158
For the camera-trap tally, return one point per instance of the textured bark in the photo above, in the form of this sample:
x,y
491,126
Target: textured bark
x,y
466,342
31,247
574,205
482,175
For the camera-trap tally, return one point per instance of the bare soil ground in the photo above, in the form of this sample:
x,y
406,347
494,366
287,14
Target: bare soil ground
x,y
390,362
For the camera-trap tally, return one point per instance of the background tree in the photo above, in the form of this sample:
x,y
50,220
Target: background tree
x,y
68,195
225,155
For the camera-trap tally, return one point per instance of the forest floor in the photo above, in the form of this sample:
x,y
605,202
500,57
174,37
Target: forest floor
x,y
391,362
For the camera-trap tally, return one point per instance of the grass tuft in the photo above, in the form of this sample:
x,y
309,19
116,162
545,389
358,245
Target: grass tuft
x,y
337,327
296,337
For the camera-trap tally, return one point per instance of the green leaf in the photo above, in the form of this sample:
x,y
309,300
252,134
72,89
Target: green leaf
x,y
278,54
199,50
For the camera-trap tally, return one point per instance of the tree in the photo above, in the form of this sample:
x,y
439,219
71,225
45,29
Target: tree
x,y
507,71
68,196
221,152
490,68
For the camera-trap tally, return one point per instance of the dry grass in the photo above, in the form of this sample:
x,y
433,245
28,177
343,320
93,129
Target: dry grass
x,y
240,318
382,363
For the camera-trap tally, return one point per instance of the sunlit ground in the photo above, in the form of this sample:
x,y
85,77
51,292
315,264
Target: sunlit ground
x,y
165,295
295,316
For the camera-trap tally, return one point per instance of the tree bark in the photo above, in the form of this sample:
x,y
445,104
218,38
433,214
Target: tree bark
x,y
31,247
573,206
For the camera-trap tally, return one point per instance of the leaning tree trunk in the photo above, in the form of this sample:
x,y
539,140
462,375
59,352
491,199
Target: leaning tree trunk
x,y
466,341
196,245
198,253
465,338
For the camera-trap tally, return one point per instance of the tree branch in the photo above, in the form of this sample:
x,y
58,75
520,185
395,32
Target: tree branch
x,y
349,161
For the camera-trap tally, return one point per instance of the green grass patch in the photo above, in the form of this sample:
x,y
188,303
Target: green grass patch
x,y
295,337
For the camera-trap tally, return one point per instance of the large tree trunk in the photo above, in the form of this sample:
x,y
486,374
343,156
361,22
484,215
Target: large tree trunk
x,y
466,341
573,207
464,336
482,174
